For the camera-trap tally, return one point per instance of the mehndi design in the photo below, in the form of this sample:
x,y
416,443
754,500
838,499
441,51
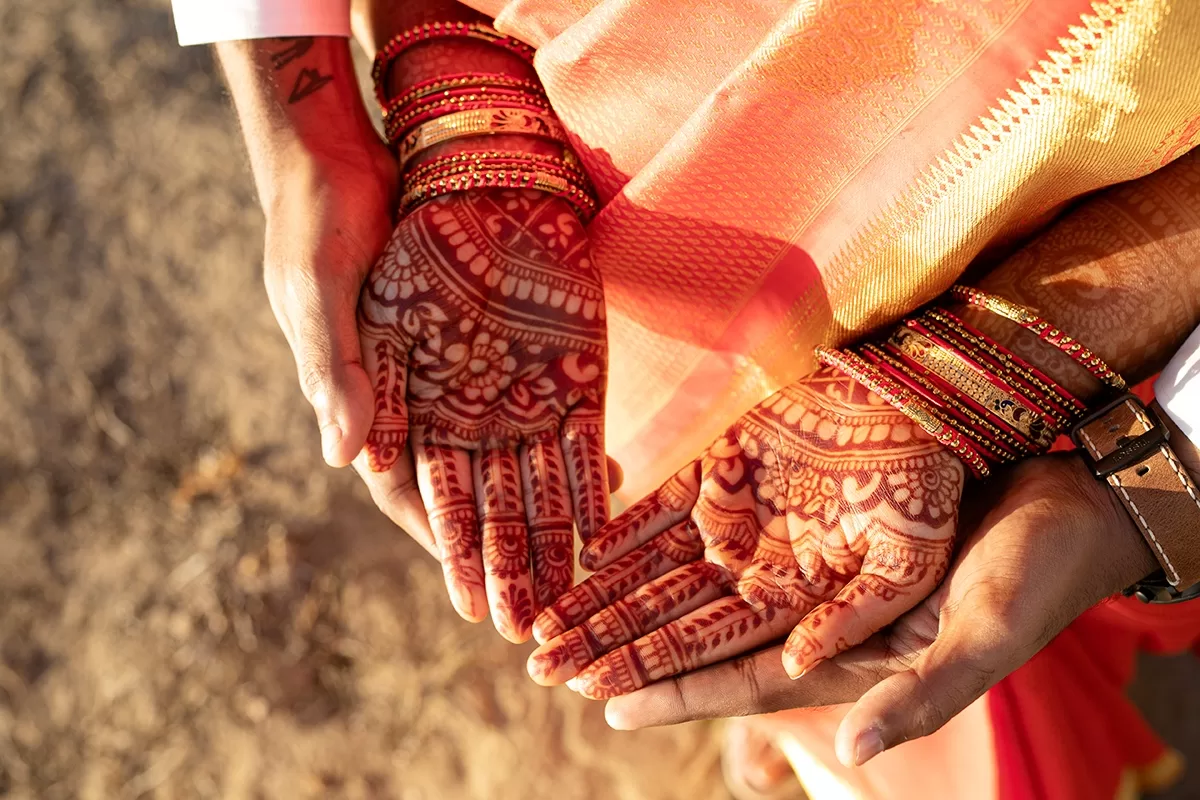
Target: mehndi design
x,y
823,511
483,326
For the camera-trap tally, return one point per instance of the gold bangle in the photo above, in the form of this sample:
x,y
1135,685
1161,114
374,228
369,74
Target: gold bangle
x,y
991,429
479,122
1010,366
971,381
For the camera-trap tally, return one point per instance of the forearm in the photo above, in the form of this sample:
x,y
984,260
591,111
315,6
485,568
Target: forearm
x,y
299,104
1121,274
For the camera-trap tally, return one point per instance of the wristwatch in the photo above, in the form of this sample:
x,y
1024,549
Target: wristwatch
x,y
1126,445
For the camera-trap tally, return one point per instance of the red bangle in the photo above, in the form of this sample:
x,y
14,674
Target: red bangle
x,y
1031,320
1042,428
531,177
992,443
399,114
1036,383
460,80
439,30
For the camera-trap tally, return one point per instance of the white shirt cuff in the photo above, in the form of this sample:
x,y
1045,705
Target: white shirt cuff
x,y
1178,388
206,21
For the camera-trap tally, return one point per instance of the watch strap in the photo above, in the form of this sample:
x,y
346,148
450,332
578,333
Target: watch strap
x,y
1128,448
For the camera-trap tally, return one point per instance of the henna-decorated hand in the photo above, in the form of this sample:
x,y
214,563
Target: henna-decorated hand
x,y
483,331
1053,543
823,511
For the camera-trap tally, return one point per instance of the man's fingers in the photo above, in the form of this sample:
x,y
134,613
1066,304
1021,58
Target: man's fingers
x,y
676,547
720,630
649,606
319,319
616,475
587,467
755,684
501,512
645,519
396,494
961,664
444,478
891,581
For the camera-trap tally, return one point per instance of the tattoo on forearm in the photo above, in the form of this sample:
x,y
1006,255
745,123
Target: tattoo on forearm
x,y
309,81
296,48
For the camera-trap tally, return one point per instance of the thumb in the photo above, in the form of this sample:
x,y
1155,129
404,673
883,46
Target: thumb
x,y
962,663
323,335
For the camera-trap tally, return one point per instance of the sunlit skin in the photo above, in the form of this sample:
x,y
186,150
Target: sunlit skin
x,y
823,512
483,332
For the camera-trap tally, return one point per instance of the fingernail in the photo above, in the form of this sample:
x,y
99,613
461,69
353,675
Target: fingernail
x,y
614,718
331,437
804,672
868,745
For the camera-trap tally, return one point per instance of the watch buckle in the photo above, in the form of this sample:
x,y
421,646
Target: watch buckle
x,y
1132,452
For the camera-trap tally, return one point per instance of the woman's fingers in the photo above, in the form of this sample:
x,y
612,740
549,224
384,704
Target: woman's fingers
x,y
548,509
445,480
587,467
385,358
676,547
501,509
896,574
720,630
644,520
649,606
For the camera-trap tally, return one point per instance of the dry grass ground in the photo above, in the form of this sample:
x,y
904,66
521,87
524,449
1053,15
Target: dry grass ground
x,y
191,604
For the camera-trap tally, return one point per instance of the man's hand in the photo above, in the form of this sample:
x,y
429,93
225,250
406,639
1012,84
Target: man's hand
x,y
824,512
1054,542
327,186
483,332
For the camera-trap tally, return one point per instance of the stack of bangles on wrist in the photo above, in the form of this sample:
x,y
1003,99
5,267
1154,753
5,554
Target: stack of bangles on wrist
x,y
983,402
469,105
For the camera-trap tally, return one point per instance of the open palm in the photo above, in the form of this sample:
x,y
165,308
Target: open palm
x,y
823,511
483,331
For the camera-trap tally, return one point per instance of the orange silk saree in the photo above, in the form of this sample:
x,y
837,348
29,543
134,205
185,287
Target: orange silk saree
x,y
778,174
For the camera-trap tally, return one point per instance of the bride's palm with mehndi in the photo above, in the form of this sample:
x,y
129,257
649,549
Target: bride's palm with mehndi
x,y
823,511
483,331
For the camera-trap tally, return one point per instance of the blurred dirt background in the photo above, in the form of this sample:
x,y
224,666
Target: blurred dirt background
x,y
191,604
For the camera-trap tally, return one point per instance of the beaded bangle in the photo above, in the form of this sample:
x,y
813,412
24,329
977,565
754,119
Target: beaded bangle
x,y
971,380
460,80
439,30
428,180
498,158
480,122
1031,320
907,404
556,184
988,439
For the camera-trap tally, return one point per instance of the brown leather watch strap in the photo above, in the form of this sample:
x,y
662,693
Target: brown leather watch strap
x,y
1129,450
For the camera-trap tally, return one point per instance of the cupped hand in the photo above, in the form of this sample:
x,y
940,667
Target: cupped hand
x,y
483,334
328,219
1053,543
823,511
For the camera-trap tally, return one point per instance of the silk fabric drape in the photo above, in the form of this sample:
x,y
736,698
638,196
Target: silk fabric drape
x,y
780,174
